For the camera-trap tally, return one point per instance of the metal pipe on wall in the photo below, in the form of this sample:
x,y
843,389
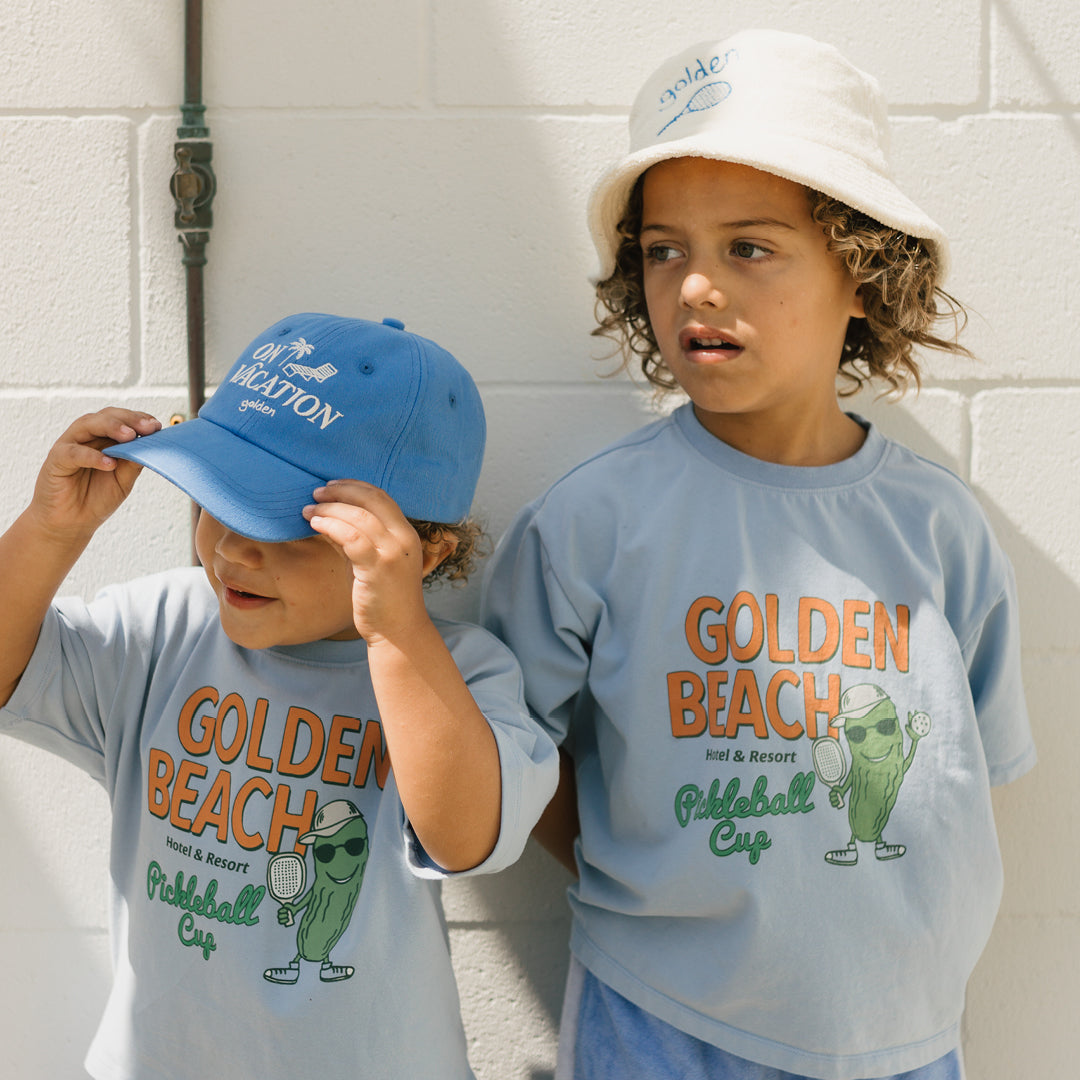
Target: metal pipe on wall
x,y
193,185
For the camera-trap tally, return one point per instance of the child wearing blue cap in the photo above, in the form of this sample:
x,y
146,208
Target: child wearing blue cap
x,y
296,753
780,650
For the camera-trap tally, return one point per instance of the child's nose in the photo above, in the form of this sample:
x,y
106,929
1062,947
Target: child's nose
x,y
703,289
238,549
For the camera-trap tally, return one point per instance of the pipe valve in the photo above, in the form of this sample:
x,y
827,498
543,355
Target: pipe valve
x,y
193,185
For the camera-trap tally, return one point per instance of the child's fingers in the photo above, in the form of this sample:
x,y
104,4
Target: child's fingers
x,y
370,508
81,445
364,521
111,425
69,457
365,496
360,534
338,522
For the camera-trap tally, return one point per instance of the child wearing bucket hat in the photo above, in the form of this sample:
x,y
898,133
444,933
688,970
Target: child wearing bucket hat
x,y
704,610
276,902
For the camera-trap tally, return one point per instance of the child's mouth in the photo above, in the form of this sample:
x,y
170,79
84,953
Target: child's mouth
x,y
713,343
710,350
240,598
706,340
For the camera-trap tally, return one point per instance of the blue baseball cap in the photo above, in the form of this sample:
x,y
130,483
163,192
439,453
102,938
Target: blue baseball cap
x,y
323,397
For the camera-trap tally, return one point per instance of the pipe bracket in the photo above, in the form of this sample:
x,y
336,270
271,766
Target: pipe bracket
x,y
193,185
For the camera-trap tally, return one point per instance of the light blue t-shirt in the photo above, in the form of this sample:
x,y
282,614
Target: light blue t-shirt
x,y
787,692
240,779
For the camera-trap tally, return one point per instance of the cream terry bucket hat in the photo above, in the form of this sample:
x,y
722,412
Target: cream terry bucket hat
x,y
779,102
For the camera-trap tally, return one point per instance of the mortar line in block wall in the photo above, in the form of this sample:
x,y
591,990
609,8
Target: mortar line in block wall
x,y
607,386
430,109
134,392
134,114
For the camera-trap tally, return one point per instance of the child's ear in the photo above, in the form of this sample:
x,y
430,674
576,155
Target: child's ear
x,y
858,310
437,551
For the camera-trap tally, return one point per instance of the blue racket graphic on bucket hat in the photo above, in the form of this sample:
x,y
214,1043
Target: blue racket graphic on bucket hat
x,y
708,96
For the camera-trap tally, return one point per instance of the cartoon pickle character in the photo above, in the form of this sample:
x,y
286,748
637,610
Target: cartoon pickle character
x,y
878,767
340,844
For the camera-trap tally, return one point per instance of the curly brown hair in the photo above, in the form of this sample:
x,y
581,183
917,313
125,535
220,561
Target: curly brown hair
x,y
472,544
897,276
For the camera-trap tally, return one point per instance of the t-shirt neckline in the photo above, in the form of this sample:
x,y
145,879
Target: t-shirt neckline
x,y
803,477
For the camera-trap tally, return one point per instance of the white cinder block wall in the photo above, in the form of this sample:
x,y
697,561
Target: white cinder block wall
x,y
430,160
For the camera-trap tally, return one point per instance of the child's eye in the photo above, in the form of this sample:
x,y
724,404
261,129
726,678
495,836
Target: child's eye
x,y
746,249
660,253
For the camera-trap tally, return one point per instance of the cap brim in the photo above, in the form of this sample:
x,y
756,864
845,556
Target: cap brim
x,y
834,173
247,489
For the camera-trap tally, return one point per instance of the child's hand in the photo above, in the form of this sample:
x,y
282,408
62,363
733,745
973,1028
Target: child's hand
x,y
389,561
446,761
78,486
445,757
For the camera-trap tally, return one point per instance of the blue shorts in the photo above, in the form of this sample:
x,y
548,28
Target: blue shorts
x,y
605,1037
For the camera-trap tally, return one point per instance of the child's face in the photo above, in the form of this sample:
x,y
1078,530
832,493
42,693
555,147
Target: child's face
x,y
276,594
748,307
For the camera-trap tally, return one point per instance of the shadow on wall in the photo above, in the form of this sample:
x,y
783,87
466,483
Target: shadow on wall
x,y
1056,94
